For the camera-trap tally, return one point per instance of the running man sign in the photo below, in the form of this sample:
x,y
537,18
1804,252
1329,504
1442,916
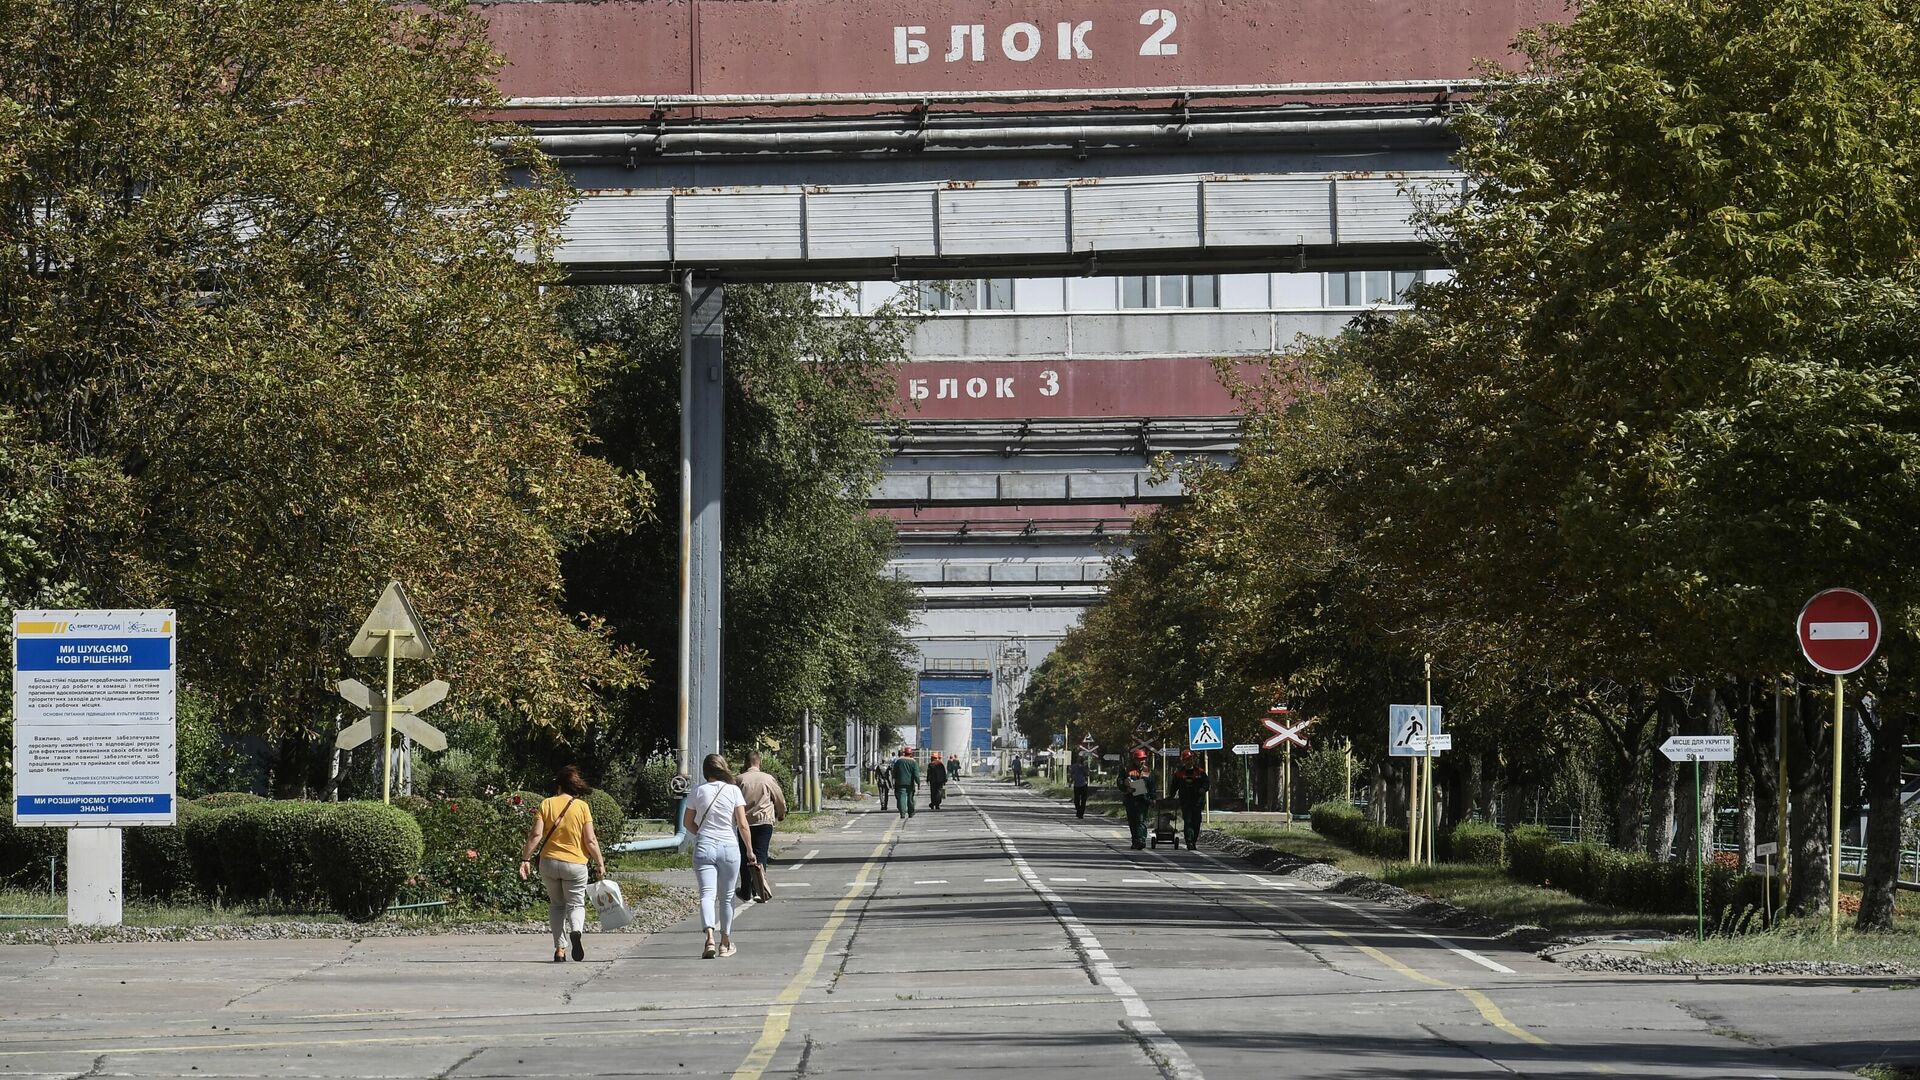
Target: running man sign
x,y
1408,729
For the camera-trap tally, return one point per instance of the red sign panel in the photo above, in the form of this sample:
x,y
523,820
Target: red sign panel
x,y
1839,631
1079,389
672,47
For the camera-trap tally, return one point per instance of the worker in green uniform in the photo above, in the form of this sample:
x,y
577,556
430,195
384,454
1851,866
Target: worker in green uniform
x,y
1136,792
906,777
1190,784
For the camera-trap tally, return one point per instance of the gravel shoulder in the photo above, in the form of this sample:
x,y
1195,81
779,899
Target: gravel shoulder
x,y
655,912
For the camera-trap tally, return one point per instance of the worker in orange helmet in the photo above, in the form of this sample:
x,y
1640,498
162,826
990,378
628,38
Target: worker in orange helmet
x,y
1190,784
1136,793
906,781
936,780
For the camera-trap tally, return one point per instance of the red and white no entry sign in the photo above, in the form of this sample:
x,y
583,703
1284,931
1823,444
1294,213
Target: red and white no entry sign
x,y
1839,631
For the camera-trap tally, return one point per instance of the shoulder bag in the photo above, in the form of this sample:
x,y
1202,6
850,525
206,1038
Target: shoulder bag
x,y
557,818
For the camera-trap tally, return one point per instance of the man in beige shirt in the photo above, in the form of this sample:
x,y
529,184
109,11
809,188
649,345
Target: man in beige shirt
x,y
766,804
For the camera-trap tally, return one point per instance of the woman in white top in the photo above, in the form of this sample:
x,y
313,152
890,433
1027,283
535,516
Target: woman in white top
x,y
716,815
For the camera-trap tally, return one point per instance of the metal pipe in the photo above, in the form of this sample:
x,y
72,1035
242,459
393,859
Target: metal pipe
x,y
681,731
663,102
659,843
618,143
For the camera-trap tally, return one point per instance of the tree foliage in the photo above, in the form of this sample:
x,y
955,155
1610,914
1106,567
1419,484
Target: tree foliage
x,y
812,619
1670,392
269,341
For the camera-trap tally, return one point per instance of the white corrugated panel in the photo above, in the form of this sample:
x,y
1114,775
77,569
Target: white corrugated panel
x,y
1003,220
1124,217
737,227
1268,213
616,229
1375,211
870,224
902,487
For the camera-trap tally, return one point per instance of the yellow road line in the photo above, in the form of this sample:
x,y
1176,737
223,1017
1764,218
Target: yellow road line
x,y
372,1040
780,1017
1481,1002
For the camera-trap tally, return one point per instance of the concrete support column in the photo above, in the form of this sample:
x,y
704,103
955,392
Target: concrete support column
x,y
703,403
93,877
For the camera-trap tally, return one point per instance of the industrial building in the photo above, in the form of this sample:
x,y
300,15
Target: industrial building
x,y
1026,434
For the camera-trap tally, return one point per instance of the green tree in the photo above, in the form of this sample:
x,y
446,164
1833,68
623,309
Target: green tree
x,y
812,618
262,301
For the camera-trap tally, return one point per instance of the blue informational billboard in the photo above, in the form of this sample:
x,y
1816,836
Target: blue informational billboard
x,y
93,733
958,691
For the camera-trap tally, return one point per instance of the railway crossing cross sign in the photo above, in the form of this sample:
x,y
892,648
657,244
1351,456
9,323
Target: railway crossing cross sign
x,y
1204,733
1285,733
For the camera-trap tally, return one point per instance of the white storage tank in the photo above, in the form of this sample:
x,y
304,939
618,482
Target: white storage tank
x,y
952,731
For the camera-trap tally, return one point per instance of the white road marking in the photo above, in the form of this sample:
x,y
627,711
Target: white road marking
x,y
998,880
1141,881
1490,965
795,884
935,881
1171,1058
1066,879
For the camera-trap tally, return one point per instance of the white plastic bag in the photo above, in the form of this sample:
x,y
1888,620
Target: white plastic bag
x,y
606,899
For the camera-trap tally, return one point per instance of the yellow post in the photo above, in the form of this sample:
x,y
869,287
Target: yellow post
x,y
1780,739
1413,810
1349,772
1427,805
1833,851
386,736
1286,778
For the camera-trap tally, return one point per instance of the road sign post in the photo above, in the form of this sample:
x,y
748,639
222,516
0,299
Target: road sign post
x,y
395,627
1839,632
1699,748
1289,736
1411,732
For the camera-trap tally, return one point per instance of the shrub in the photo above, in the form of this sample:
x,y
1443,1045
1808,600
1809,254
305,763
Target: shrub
x,y
608,819
1527,848
1340,822
837,789
471,853
1477,843
251,851
25,853
652,788
157,863
221,800
367,851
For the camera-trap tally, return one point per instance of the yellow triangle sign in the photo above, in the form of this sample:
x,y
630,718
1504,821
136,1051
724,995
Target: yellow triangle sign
x,y
393,613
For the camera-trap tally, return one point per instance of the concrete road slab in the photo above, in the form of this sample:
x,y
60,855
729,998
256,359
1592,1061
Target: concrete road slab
x,y
999,937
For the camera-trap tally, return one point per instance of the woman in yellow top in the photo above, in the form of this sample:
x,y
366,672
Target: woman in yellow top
x,y
562,838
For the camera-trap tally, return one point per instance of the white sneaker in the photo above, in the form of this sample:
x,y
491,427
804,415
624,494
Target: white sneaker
x,y
727,950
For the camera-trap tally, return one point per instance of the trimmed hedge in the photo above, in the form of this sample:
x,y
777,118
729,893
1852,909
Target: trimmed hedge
x,y
1593,872
365,851
155,859
1633,881
608,819
221,800
1342,823
1477,843
24,853
348,856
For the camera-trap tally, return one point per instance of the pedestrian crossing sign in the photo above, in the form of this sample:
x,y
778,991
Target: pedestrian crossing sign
x,y
1204,733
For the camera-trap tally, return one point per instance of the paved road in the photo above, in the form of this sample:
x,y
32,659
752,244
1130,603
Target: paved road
x,y
999,937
